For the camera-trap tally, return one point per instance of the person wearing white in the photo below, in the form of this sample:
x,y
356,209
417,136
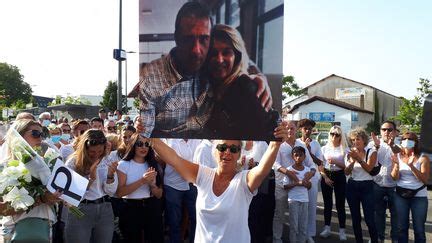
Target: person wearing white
x,y
314,148
224,193
298,197
334,179
140,184
411,171
359,161
97,224
178,191
203,154
384,186
283,161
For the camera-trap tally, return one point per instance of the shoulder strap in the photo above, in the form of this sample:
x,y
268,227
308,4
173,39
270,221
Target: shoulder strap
x,y
367,154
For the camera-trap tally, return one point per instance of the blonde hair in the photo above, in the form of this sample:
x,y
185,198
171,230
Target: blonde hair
x,y
343,142
82,159
113,139
231,35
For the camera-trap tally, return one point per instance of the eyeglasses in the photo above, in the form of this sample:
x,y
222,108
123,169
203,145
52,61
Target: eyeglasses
x,y
232,148
36,133
141,144
335,134
387,129
93,142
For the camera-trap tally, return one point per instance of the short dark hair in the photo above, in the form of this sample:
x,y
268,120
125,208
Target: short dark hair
x,y
306,122
96,119
390,122
298,149
191,9
102,110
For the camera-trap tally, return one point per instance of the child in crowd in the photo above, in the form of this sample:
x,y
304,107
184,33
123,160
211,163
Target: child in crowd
x,y
298,197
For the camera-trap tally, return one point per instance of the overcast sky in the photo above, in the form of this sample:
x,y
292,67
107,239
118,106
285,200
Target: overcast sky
x,y
65,47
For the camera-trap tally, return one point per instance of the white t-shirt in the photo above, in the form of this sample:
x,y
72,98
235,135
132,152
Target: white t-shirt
x,y
185,150
134,171
408,180
203,154
256,153
358,173
335,154
222,218
384,154
297,193
284,159
66,151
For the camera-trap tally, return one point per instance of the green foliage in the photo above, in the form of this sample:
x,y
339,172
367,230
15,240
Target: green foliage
x,y
12,86
69,100
290,87
136,103
109,98
411,111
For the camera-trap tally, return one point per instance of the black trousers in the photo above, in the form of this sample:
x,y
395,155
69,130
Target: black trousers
x,y
339,188
142,216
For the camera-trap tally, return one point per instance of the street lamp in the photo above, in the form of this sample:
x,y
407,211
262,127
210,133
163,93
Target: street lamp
x,y
126,71
119,88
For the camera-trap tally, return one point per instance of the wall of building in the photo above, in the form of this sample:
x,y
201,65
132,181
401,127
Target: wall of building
x,y
388,105
342,115
327,88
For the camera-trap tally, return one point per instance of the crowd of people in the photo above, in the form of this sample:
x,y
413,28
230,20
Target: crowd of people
x,y
150,190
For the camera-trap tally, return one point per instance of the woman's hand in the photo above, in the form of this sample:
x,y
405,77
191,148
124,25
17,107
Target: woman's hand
x,y
328,181
112,168
6,210
149,176
281,132
411,159
51,198
354,154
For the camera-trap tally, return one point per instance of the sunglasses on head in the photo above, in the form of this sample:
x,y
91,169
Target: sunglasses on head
x,y
36,133
387,129
93,142
335,134
232,148
141,144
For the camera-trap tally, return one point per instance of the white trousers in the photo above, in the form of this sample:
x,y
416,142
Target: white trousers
x,y
312,205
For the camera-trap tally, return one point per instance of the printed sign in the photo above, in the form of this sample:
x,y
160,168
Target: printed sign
x,y
322,116
349,93
72,185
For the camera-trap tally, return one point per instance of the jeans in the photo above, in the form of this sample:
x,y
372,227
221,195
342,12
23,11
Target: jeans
x,y
174,200
298,221
384,198
361,192
96,224
418,207
339,187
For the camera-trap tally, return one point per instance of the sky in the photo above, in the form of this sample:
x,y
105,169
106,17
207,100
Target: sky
x,y
386,44
65,47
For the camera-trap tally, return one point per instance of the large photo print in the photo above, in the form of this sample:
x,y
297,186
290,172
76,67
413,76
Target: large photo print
x,y
206,73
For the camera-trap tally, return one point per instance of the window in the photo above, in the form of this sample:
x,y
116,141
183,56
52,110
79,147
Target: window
x,y
270,35
234,10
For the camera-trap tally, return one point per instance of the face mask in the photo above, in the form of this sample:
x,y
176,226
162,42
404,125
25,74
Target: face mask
x,y
110,118
115,117
65,136
55,138
409,144
46,123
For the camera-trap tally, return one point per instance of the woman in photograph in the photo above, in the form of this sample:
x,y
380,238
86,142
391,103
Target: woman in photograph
x,y
224,193
237,112
140,184
97,224
411,171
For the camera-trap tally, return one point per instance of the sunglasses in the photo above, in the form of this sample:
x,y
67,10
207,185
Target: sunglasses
x,y
387,129
36,133
93,142
141,144
232,148
335,134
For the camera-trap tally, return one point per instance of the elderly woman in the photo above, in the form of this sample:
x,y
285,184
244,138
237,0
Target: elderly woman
x,y
224,193
411,172
31,131
359,161
237,112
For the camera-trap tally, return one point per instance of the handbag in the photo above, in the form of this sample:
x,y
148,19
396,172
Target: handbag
x,y
376,169
32,230
408,193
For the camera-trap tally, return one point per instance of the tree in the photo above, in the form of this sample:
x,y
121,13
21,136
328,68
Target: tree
x,y
290,87
109,98
411,111
13,89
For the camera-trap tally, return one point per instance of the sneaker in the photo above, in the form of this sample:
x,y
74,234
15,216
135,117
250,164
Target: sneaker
x,y
342,235
310,240
326,232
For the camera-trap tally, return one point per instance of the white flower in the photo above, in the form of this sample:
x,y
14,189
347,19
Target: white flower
x,y
19,199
